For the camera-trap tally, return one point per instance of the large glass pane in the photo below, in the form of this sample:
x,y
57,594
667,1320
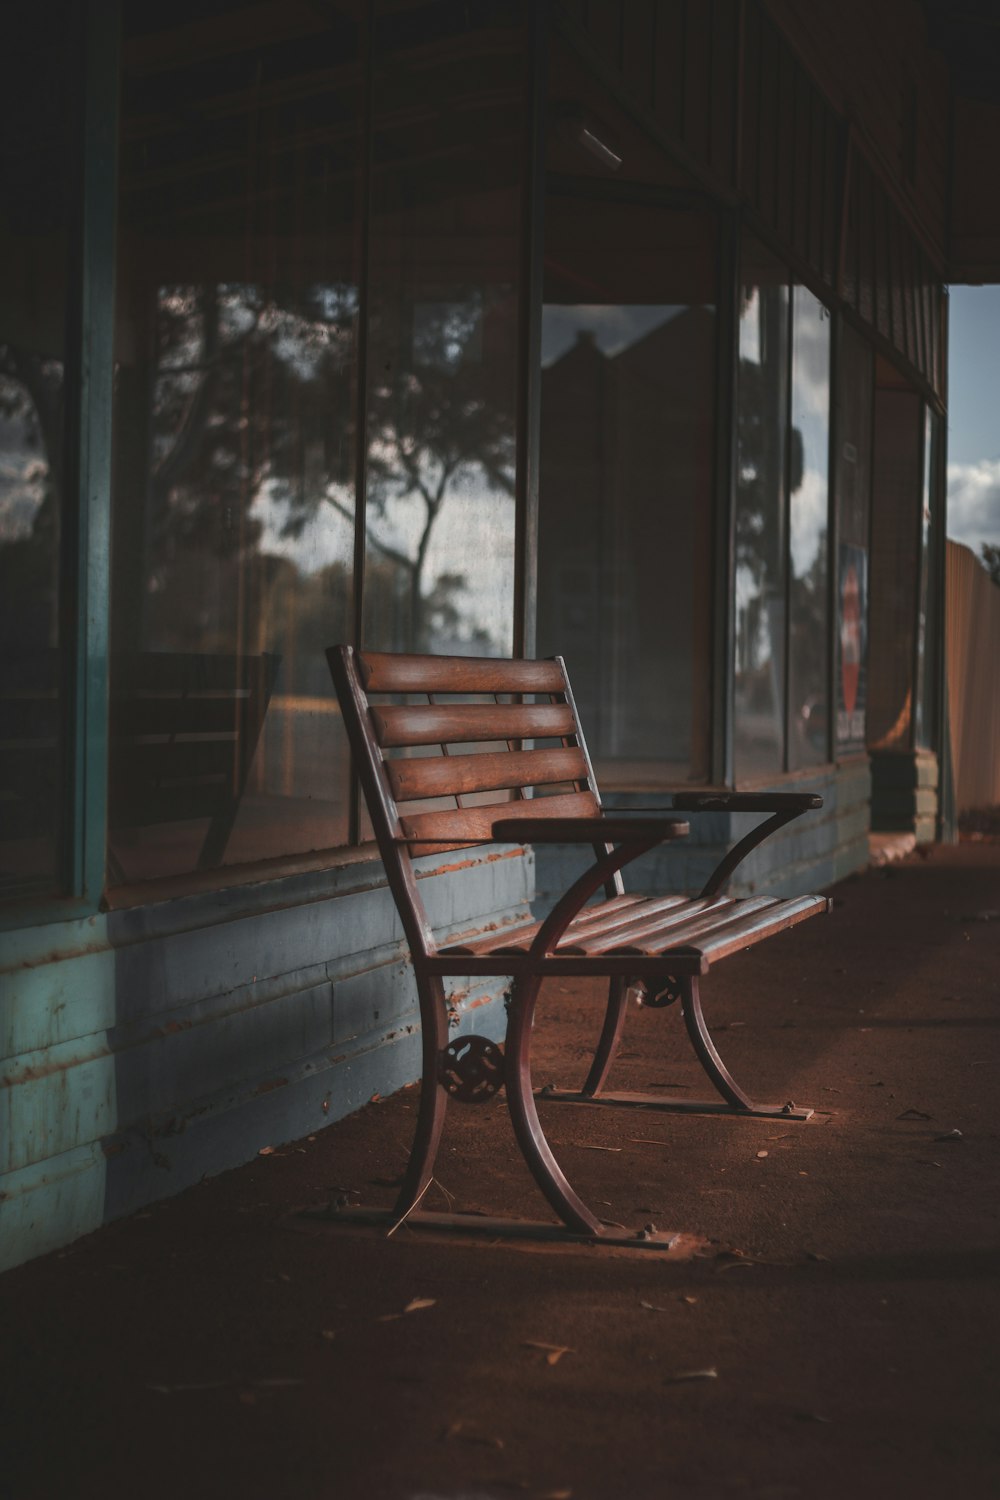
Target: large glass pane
x,y
927,606
895,567
234,431
808,622
852,479
628,399
760,518
449,119
39,69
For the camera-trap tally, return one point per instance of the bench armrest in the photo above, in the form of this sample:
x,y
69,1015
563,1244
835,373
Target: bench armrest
x,y
792,803
783,807
604,830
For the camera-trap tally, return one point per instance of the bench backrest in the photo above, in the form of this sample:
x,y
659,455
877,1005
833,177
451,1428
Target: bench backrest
x,y
443,744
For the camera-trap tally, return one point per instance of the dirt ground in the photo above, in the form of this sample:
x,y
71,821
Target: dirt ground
x,y
839,1339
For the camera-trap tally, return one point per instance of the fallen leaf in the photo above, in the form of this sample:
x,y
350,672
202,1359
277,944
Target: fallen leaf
x,y
761,1155
815,1255
553,1352
914,1114
417,1304
950,1135
647,1140
327,1333
653,1307
689,1300
585,1147
266,1151
709,1373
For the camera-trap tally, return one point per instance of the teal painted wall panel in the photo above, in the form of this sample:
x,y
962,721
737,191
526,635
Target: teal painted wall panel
x,y
54,1100
151,1046
44,1207
43,1004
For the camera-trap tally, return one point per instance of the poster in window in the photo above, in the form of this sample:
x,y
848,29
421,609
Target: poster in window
x,y
852,654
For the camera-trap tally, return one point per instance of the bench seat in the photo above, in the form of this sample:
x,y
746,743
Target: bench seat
x,y
634,926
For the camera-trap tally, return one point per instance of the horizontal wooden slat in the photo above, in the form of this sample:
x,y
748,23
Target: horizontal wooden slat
x,y
668,936
753,928
436,832
469,722
382,673
446,775
653,920
603,932
517,939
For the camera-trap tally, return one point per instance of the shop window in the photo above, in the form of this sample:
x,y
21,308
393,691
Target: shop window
x,y
895,568
782,634
852,487
444,237
761,521
808,552
269,254
626,478
929,593
234,431
39,66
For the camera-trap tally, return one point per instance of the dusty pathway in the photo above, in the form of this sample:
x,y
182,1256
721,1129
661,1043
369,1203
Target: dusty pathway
x,y
220,1346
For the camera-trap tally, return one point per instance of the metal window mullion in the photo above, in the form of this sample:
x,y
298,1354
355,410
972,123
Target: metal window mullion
x,y
833,482
92,384
367,43
786,501
723,666
529,355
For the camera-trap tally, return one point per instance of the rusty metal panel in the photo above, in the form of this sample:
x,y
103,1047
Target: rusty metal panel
x,y
972,646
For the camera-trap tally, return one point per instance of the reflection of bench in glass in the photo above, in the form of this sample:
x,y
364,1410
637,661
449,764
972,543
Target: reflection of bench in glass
x,y
655,948
184,728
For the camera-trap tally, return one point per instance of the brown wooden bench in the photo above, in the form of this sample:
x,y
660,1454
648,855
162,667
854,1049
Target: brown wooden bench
x,y
502,759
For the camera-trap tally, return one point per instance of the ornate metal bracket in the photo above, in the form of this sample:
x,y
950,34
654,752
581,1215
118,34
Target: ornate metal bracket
x,y
471,1069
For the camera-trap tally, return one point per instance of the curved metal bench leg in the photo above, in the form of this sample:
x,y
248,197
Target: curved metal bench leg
x,y
524,1116
607,1046
716,1069
705,1048
433,1099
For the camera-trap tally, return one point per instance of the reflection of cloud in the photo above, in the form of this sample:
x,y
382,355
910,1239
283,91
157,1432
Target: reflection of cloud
x,y
808,529
811,354
974,503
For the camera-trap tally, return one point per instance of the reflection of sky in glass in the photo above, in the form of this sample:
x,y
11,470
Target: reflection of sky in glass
x,y
810,416
614,327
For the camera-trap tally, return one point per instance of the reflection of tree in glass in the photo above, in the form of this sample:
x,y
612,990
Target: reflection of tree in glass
x,y
254,397
31,481
433,427
244,383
